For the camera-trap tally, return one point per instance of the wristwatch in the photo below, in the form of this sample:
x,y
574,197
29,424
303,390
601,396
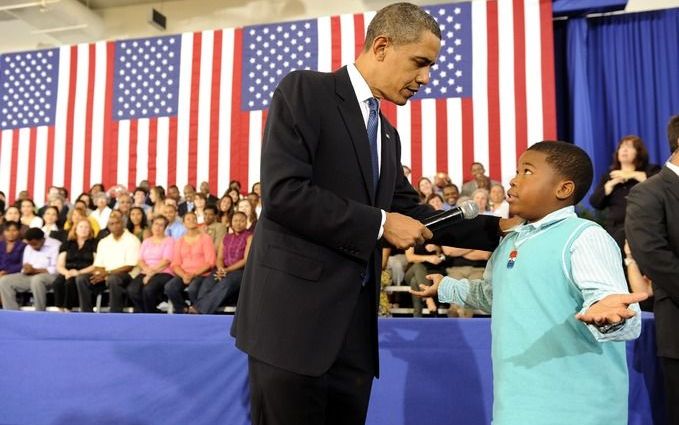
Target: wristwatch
x,y
610,327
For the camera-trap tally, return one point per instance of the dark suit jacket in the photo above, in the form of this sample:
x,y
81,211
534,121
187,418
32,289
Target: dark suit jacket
x,y
652,231
319,225
183,208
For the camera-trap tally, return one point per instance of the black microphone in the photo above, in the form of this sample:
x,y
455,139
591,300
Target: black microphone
x,y
465,211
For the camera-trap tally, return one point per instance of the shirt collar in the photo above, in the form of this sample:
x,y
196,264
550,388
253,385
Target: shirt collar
x,y
361,88
549,219
673,167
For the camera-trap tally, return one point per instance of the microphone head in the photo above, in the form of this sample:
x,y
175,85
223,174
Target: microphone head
x,y
469,209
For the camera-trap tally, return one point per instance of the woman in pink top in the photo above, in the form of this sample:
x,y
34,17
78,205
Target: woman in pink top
x,y
155,257
194,258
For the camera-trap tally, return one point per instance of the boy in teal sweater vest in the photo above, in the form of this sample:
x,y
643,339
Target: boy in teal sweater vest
x,y
559,301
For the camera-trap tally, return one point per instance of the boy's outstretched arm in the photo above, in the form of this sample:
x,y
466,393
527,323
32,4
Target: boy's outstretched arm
x,y
475,294
611,309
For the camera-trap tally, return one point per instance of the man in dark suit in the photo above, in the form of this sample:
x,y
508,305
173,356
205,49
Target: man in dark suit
x,y
653,234
333,185
187,205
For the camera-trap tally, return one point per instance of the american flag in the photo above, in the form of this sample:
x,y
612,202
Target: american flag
x,y
191,107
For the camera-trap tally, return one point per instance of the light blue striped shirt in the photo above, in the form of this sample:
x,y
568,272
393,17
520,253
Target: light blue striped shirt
x,y
596,269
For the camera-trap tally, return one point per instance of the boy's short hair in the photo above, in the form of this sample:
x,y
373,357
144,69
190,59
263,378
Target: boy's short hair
x,y
570,162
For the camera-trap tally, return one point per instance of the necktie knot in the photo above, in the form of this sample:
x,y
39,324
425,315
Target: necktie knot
x,y
373,105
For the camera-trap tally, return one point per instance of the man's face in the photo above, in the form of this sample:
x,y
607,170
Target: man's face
x,y
173,192
124,203
477,170
139,197
36,244
115,225
404,68
450,194
188,193
205,187
170,213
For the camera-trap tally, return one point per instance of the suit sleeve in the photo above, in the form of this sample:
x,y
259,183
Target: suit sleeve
x,y
481,233
646,230
290,197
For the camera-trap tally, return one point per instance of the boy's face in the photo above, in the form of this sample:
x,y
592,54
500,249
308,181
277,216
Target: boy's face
x,y
533,191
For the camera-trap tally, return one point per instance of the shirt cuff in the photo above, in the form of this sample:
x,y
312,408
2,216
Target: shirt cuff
x,y
384,219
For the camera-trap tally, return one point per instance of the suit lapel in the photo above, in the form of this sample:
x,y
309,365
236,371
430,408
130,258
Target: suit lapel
x,y
353,120
671,180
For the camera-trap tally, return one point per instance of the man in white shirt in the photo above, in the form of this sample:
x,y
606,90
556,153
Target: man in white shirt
x,y
38,272
117,255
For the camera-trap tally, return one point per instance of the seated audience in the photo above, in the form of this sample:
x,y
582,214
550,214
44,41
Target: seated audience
x,y
87,200
60,204
194,258
76,258
11,249
441,180
173,193
464,263
12,214
231,257
424,188
479,180
117,255
424,260
245,206
157,199
209,197
234,194
450,195
175,228
28,217
199,203
212,227
155,258
188,204
50,218
140,195
480,198
137,223
37,274
124,205
78,214
102,211
226,210
498,205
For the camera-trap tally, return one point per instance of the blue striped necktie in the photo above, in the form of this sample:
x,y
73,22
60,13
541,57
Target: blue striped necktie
x,y
372,139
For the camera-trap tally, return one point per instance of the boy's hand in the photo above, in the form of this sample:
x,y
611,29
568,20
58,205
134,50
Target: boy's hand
x,y
611,309
429,291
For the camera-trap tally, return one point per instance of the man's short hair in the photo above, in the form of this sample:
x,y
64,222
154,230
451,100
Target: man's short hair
x,y
673,133
451,185
570,162
401,23
211,208
34,234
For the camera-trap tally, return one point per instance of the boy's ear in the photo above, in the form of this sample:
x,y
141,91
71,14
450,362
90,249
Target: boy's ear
x,y
565,189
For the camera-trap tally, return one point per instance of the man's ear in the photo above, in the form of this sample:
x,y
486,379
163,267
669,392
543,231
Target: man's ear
x,y
565,189
379,47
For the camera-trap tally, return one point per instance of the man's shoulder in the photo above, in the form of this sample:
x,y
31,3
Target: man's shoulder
x,y
654,185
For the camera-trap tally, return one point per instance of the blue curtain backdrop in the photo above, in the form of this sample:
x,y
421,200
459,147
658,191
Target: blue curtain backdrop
x,y
621,77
